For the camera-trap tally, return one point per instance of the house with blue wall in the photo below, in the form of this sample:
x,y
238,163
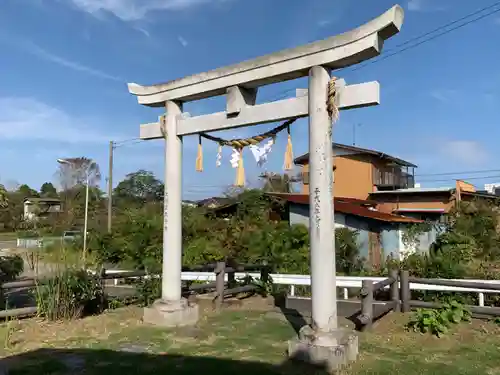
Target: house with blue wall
x,y
380,234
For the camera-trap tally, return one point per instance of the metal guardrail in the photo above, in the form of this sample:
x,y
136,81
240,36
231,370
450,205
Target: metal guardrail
x,y
490,286
355,282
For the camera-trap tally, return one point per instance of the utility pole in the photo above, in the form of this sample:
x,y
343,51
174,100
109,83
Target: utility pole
x,y
110,185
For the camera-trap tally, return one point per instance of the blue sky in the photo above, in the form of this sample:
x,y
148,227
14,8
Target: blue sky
x,y
64,66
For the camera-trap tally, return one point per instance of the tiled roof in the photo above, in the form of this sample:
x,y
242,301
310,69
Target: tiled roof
x,y
43,200
216,201
303,159
346,206
361,202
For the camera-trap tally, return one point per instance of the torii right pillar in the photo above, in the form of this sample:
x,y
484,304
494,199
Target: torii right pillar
x,y
322,342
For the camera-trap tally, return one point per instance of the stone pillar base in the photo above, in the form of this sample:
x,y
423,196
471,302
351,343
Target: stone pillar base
x,y
332,350
172,313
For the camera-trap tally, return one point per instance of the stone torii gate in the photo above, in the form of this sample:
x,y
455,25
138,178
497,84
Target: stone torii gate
x,y
323,341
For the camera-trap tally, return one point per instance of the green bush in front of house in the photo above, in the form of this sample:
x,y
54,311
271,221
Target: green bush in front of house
x,y
245,236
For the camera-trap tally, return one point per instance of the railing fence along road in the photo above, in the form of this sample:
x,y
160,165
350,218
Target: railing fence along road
x,y
347,282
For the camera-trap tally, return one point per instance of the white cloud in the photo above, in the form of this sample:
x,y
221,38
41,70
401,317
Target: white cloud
x,y
424,6
35,50
464,152
133,10
451,96
324,23
182,41
30,119
143,31
71,64
445,95
415,5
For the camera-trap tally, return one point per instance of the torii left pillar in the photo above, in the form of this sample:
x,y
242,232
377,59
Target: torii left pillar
x,y
172,309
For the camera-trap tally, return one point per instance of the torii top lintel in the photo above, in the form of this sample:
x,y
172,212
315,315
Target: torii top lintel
x,y
336,52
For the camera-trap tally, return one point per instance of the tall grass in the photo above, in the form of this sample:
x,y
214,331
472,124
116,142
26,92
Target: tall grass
x,y
70,291
71,294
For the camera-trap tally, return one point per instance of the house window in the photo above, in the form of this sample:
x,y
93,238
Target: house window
x,y
392,177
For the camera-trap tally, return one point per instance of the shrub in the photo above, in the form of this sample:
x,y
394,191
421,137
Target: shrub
x,y
242,235
432,265
71,294
10,267
148,290
438,321
478,220
455,246
136,241
348,261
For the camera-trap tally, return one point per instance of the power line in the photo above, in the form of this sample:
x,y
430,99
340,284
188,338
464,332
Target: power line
x,y
283,94
386,56
125,141
446,25
130,143
462,178
460,172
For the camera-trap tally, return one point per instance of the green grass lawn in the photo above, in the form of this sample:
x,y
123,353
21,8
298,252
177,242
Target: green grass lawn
x,y
235,342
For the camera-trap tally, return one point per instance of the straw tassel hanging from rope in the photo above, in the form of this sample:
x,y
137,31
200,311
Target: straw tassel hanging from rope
x,y
240,173
239,144
199,157
288,164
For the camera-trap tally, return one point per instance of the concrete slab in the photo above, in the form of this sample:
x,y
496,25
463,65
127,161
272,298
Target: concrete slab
x,y
331,350
172,313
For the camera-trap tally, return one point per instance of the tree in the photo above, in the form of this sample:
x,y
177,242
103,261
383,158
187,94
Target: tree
x,y
73,213
478,220
48,190
11,209
4,200
26,192
76,171
139,188
74,174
